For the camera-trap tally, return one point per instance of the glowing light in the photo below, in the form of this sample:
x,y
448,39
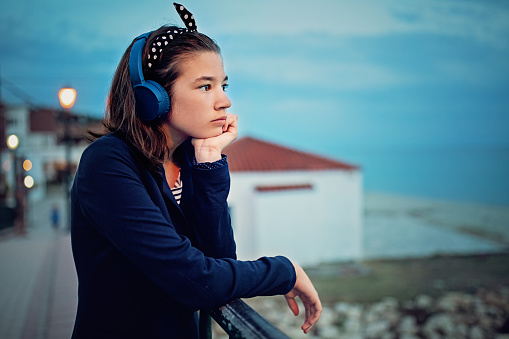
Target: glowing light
x,y
12,141
27,165
29,181
6,165
67,97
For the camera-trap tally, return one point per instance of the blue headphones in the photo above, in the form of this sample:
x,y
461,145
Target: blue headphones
x,y
152,101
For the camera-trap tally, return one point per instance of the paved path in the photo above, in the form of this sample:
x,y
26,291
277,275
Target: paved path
x,y
38,284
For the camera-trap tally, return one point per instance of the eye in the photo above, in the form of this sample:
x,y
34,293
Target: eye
x,y
225,86
205,88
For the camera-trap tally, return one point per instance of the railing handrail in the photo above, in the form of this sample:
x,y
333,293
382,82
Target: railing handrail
x,y
239,320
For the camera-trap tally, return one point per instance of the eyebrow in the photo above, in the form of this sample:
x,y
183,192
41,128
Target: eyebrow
x,y
208,78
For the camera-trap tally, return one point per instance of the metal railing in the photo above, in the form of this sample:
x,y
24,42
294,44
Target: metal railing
x,y
239,320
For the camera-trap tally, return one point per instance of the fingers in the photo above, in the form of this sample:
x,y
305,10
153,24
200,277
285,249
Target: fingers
x,y
230,124
313,310
293,305
209,149
313,313
305,290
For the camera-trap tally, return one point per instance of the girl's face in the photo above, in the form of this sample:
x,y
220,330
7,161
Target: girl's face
x,y
199,101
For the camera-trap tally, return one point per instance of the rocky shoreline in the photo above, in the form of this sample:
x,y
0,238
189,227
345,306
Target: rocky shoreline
x,y
483,315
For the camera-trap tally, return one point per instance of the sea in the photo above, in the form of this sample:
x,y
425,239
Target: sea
x,y
469,175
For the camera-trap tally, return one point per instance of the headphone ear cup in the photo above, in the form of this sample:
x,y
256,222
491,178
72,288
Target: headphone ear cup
x,y
152,101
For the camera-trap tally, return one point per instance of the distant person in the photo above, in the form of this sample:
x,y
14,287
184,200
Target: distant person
x,y
4,188
55,218
19,212
151,232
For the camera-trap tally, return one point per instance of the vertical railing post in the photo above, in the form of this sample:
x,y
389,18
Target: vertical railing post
x,y
205,325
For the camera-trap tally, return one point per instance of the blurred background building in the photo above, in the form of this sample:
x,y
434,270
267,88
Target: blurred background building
x,y
283,201
49,144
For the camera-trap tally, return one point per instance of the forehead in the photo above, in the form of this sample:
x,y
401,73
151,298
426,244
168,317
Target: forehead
x,y
202,64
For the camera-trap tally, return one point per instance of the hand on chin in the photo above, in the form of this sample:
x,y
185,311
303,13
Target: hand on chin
x,y
210,149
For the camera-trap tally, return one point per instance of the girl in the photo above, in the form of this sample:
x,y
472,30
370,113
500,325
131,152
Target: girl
x,y
151,233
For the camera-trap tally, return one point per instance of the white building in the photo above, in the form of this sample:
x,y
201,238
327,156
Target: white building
x,y
41,134
286,202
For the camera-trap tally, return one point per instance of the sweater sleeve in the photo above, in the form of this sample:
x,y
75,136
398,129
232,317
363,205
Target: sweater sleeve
x,y
114,200
210,217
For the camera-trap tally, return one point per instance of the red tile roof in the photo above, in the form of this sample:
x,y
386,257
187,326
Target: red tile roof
x,y
252,155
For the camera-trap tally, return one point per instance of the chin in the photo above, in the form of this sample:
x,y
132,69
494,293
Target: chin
x,y
210,134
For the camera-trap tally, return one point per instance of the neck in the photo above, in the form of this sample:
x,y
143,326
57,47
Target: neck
x,y
171,172
174,140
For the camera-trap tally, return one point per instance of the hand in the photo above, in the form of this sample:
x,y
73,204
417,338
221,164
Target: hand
x,y
305,290
210,149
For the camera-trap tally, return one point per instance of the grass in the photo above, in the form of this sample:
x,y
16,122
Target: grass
x,y
405,279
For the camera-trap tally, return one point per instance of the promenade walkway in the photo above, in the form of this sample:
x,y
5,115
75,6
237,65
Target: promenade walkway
x,y
38,284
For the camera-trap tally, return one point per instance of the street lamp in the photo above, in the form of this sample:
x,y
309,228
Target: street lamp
x,y
29,180
27,165
12,141
67,97
12,145
19,191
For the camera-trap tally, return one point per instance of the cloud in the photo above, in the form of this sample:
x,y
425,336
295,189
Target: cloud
x,y
478,20
99,24
318,107
485,22
284,17
304,72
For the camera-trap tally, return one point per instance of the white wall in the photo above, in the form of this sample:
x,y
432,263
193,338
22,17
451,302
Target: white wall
x,y
308,225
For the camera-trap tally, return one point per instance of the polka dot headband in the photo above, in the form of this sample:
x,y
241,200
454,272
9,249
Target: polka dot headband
x,y
164,39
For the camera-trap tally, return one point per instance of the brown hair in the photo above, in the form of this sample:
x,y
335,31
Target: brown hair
x,y
148,137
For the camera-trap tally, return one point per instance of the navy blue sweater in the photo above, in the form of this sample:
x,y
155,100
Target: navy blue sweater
x,y
146,264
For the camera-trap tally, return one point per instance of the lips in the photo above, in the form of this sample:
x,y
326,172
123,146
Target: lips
x,y
221,119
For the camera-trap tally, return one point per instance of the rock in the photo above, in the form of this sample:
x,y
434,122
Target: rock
x,y
407,326
476,333
376,329
440,323
329,332
353,323
461,330
424,302
454,315
328,317
408,336
455,302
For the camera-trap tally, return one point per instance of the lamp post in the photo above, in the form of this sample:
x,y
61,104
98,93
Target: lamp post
x,y
19,189
67,97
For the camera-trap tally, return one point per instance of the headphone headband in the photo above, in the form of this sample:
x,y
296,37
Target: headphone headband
x,y
135,59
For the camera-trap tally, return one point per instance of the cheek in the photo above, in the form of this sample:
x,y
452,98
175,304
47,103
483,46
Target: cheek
x,y
191,114
182,105
193,123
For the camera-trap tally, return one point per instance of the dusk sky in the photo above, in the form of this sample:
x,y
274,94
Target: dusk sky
x,y
330,77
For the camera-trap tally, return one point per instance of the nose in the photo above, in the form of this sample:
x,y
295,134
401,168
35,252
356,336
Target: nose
x,y
223,102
